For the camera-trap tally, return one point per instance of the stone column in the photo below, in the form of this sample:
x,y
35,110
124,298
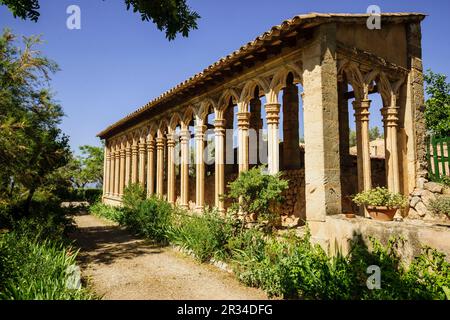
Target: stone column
x,y
243,125
122,171
363,143
256,125
141,174
150,167
200,165
184,166
273,145
171,168
106,167
127,164
116,171
291,147
111,174
321,118
219,131
160,144
390,119
134,162
416,164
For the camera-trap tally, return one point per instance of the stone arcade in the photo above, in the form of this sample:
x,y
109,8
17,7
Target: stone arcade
x,y
328,64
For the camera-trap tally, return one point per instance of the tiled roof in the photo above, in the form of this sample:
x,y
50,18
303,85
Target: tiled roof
x,y
303,21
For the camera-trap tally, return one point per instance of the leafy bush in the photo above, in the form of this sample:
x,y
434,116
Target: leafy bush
x,y
109,212
206,235
257,193
291,267
32,269
380,196
133,195
150,218
445,180
440,205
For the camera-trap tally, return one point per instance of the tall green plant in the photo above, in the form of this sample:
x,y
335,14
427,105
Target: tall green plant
x,y
255,192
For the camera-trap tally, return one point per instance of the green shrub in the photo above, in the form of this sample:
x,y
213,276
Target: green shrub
x,y
440,205
109,212
291,267
380,196
133,195
32,269
150,218
257,193
206,235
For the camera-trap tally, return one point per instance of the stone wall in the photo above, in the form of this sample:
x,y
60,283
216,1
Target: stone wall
x,y
420,198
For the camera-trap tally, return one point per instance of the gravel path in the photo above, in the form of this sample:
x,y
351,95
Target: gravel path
x,y
121,266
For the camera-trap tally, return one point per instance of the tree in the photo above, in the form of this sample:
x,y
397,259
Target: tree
x,y
437,111
91,163
171,16
32,146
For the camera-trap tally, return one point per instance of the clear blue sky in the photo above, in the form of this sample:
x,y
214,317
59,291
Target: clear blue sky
x,y
116,63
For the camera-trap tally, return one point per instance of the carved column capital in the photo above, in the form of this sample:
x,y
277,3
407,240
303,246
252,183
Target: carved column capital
x,y
243,120
160,141
185,136
390,116
200,132
362,109
272,113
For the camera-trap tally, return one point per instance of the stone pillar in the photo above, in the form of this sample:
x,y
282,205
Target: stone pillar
x,y
414,122
273,140
111,173
160,144
171,168
134,162
184,167
127,164
200,165
363,143
321,118
122,171
106,168
256,124
243,125
150,167
141,174
291,147
219,131
116,171
390,119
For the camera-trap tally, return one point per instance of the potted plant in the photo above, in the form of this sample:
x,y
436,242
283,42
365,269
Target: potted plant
x,y
381,204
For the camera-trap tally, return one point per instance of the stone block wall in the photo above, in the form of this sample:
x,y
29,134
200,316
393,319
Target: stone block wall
x,y
420,198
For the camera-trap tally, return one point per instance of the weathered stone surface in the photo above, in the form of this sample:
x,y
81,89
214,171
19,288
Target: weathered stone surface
x,y
421,183
417,192
427,197
413,214
421,209
414,201
434,187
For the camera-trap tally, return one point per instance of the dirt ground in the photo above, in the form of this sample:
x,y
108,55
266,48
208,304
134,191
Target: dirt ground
x,y
121,266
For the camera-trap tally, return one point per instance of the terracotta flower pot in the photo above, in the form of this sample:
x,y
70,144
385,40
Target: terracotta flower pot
x,y
381,213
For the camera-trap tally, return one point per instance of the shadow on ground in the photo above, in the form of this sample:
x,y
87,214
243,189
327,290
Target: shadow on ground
x,y
103,244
